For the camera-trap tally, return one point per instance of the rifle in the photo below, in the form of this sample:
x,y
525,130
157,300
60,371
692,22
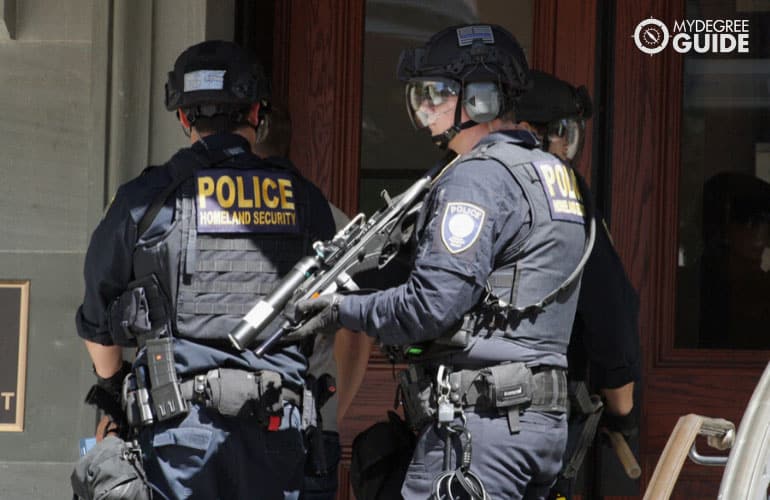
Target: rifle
x,y
327,271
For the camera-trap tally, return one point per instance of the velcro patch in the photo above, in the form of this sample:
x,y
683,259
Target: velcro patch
x,y
461,226
562,191
204,79
245,201
467,34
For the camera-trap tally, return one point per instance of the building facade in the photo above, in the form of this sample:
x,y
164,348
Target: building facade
x,y
679,161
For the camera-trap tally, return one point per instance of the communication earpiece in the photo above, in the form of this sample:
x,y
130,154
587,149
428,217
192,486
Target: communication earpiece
x,y
482,101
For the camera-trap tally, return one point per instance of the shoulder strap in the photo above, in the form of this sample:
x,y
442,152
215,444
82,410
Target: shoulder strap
x,y
181,170
589,245
537,307
183,165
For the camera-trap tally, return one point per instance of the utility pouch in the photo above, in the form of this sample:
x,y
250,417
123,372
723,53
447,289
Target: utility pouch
x,y
417,396
165,390
138,313
136,399
238,393
510,384
511,388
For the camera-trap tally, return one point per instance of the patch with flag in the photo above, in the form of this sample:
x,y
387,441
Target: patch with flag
x,y
461,226
467,34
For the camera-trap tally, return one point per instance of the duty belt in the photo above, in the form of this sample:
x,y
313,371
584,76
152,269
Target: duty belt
x,y
508,388
231,392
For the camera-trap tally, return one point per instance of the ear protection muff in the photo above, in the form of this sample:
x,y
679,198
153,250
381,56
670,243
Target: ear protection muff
x,y
483,101
264,122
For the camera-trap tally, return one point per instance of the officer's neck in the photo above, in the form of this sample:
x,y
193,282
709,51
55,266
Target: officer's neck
x,y
467,139
247,133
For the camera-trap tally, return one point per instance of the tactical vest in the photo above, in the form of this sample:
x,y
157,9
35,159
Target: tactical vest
x,y
555,247
214,275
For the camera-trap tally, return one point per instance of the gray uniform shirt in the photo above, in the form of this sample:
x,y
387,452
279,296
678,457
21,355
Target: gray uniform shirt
x,y
473,214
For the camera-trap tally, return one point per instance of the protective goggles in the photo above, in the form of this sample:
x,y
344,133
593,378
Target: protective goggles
x,y
426,100
569,130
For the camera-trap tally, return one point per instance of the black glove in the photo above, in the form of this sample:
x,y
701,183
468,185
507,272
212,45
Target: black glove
x,y
321,315
106,395
627,425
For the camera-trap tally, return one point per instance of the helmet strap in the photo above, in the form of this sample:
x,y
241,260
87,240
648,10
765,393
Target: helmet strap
x,y
545,142
185,122
443,139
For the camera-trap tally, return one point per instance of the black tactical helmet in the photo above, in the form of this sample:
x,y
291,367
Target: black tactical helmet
x,y
481,64
552,99
218,73
558,111
470,53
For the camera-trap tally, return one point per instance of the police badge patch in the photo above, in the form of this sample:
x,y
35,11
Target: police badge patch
x,y
461,226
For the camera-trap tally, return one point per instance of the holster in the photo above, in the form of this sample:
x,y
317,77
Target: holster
x,y
416,393
139,313
586,409
321,452
380,458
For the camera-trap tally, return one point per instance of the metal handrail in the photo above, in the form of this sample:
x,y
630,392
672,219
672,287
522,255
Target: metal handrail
x,y
681,444
747,473
706,459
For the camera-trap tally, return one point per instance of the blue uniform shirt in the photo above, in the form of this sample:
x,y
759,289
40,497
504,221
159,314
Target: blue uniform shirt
x,y
109,262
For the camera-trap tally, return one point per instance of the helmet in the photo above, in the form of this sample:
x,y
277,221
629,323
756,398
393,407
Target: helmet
x,y
217,73
482,65
559,110
551,99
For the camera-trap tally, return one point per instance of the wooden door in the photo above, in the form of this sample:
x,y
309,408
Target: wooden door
x,y
635,168
647,100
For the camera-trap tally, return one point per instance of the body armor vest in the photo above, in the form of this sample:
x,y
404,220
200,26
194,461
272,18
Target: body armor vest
x,y
529,270
213,279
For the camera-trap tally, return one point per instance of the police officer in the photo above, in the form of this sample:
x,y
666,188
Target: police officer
x,y
490,300
557,112
607,316
185,250
604,347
